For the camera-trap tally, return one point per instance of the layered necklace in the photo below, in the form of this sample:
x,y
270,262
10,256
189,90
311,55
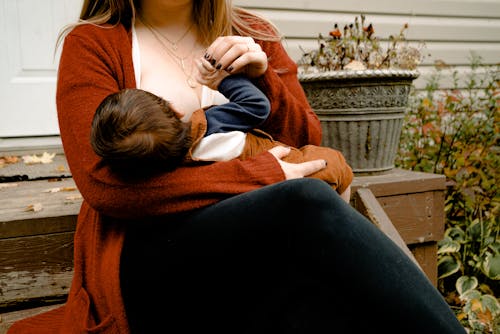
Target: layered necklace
x,y
172,51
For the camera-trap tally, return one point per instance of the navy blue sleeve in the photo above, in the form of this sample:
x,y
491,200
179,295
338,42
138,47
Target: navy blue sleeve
x,y
247,108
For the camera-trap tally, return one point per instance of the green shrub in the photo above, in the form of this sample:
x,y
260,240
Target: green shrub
x,y
456,132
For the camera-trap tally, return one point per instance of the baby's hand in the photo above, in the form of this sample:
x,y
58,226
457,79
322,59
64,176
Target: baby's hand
x,y
209,75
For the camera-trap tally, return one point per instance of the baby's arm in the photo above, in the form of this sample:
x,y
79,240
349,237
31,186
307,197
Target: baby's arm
x,y
247,108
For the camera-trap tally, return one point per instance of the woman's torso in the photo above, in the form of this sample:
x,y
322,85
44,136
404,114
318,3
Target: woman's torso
x,y
171,74
159,70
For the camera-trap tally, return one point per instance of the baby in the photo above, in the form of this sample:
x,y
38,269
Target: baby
x,y
137,132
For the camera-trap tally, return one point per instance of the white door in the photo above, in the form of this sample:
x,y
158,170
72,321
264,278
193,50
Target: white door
x,y
28,64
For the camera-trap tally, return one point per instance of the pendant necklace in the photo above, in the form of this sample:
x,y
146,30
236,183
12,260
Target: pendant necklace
x,y
178,60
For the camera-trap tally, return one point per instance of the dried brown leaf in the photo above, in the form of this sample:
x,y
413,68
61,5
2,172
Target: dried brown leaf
x,y
73,199
6,160
54,179
9,159
34,207
58,189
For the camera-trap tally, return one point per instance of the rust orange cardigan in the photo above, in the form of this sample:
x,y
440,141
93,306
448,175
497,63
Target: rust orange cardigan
x,y
95,62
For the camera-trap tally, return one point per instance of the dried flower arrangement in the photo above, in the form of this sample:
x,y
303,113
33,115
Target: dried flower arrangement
x,y
357,48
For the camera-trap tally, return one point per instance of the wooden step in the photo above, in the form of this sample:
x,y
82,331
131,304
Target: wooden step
x,y
39,204
36,247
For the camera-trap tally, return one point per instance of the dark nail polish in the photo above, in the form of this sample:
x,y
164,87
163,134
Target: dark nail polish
x,y
212,61
218,67
206,56
229,69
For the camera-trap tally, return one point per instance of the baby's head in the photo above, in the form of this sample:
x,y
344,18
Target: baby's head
x,y
135,131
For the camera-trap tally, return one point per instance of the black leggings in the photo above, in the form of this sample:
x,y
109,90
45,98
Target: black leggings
x,y
288,258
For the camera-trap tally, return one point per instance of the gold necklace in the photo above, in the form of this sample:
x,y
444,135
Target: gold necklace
x,y
174,45
178,60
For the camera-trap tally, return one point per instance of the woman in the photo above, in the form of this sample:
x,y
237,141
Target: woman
x,y
234,247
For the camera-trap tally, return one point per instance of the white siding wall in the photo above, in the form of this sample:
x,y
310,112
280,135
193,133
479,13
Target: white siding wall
x,y
451,29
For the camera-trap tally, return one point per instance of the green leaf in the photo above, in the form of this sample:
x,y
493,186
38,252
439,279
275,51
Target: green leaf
x,y
448,245
469,295
455,233
495,247
491,303
466,283
491,266
474,230
447,265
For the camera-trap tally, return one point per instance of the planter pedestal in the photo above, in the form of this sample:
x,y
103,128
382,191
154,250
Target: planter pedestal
x,y
361,113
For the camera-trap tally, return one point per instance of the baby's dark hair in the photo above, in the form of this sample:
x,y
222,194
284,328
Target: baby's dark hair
x,y
136,132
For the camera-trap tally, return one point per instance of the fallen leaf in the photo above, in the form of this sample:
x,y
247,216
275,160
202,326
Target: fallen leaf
x,y
34,207
8,185
56,179
61,168
9,159
45,158
6,160
58,189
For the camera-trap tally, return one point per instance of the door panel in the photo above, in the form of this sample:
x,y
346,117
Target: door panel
x,y
28,64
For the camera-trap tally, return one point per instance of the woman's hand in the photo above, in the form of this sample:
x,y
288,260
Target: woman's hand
x,y
296,171
237,54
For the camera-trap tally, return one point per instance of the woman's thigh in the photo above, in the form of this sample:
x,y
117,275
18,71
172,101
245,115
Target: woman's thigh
x,y
292,257
240,259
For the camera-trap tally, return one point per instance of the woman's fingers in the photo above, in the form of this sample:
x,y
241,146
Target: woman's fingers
x,y
310,167
293,170
253,64
237,54
235,45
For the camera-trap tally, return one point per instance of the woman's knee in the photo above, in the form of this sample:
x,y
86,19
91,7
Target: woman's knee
x,y
310,191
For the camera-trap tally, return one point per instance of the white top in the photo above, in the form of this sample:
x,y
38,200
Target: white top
x,y
215,147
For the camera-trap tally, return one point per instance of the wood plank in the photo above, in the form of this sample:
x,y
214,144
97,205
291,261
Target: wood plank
x,y
15,200
419,217
35,268
34,288
426,255
413,201
441,8
50,252
20,171
399,181
38,226
370,207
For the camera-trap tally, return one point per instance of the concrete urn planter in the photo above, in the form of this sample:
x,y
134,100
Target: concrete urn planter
x,y
361,113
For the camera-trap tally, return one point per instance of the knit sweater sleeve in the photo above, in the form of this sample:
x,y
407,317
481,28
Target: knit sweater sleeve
x,y
96,62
